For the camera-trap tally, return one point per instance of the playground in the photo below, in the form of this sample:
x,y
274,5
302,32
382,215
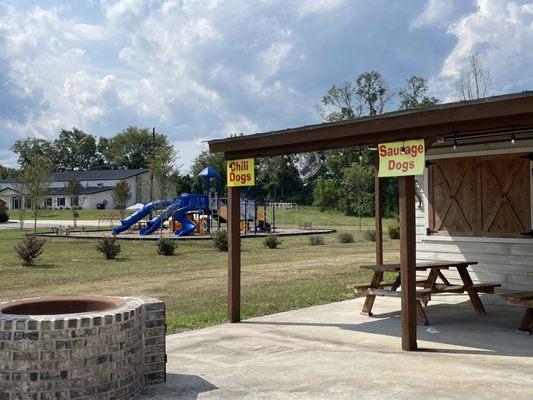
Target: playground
x,y
196,217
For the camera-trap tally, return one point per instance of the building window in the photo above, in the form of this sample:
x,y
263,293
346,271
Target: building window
x,y
15,203
61,202
486,196
48,202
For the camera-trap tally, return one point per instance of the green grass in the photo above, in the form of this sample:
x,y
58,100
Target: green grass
x,y
64,214
194,282
329,219
287,217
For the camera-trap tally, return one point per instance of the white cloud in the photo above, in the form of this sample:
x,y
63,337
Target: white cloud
x,y
175,65
436,12
501,33
307,7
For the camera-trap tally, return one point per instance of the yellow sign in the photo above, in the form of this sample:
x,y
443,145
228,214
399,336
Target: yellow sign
x,y
402,158
241,172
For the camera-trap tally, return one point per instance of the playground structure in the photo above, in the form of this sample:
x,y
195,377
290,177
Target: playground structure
x,y
108,219
201,213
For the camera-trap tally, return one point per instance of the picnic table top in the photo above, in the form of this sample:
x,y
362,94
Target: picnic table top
x,y
421,266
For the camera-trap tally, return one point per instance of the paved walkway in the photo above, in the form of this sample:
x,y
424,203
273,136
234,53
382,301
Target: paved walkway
x,y
333,352
47,223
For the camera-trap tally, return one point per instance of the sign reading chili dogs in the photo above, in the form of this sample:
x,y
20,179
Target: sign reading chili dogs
x,y
402,158
241,172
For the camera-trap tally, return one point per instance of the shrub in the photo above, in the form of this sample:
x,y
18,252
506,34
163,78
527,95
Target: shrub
x,y
166,247
272,241
29,249
220,240
4,217
316,240
345,237
369,235
109,247
394,231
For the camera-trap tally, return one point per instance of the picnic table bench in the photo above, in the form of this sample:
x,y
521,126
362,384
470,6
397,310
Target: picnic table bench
x,y
425,287
522,299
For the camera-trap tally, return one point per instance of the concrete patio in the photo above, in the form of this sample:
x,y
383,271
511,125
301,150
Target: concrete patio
x,y
333,352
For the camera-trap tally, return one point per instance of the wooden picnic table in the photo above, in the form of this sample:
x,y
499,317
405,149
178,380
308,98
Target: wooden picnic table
x,y
428,286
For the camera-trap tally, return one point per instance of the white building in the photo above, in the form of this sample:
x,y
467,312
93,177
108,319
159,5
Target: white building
x,y
96,189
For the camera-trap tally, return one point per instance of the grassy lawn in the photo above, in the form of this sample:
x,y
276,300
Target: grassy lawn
x,y
64,214
193,283
283,217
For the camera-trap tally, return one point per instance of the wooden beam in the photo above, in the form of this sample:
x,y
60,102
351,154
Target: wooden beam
x,y
495,113
377,216
234,254
408,261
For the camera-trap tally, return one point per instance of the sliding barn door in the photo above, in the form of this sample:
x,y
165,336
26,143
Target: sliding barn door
x,y
452,196
504,193
480,196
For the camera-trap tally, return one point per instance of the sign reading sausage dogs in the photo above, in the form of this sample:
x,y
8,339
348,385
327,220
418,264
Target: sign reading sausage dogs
x,y
241,172
402,158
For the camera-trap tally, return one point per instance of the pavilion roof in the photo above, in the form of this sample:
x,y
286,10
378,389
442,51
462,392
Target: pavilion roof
x,y
475,117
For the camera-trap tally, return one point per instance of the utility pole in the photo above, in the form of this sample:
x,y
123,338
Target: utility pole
x,y
151,173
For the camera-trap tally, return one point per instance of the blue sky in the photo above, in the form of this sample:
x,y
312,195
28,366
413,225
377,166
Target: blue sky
x,y
199,70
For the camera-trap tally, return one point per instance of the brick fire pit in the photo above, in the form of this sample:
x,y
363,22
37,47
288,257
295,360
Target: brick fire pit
x,y
81,347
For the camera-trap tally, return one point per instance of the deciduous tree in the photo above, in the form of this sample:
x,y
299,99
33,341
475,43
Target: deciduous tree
x,y
121,193
413,95
130,149
76,150
357,191
73,190
34,182
31,148
474,80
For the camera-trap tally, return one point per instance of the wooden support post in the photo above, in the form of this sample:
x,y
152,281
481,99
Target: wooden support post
x,y
234,254
379,223
526,324
408,261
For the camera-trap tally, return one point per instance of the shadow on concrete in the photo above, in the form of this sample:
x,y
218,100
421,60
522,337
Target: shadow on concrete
x,y
178,386
454,324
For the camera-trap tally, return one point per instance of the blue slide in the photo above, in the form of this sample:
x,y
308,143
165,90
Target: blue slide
x,y
138,215
187,226
155,223
177,209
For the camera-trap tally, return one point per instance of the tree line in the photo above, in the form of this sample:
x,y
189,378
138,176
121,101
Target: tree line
x,y
75,150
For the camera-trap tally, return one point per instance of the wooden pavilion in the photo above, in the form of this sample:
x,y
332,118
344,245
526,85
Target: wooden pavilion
x,y
494,121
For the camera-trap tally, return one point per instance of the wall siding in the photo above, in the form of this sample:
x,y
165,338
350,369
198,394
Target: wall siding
x,y
507,261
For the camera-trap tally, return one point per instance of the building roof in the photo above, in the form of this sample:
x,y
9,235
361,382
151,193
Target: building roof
x,y
497,112
83,190
95,175
61,191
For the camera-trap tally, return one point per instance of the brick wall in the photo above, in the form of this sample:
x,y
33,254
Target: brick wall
x,y
108,355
